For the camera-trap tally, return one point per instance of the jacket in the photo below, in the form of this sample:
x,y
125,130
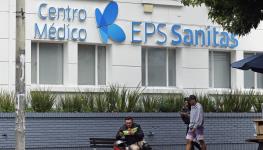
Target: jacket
x,y
186,117
196,116
130,139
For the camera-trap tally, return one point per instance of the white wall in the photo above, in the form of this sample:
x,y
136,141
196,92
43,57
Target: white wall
x,y
123,60
7,42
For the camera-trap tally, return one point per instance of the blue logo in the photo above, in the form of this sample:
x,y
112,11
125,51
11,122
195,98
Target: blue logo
x,y
106,26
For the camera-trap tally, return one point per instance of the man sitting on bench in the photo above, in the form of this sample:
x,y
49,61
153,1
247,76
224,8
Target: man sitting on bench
x,y
132,133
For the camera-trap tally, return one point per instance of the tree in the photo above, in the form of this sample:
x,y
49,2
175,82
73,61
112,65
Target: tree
x,y
235,16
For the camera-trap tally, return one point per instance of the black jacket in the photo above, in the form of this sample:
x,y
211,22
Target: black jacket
x,y
131,139
186,118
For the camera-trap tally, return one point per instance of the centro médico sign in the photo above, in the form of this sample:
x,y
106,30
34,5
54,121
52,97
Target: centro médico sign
x,y
108,29
61,33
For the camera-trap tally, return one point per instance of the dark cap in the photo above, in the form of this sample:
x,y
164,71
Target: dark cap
x,y
192,97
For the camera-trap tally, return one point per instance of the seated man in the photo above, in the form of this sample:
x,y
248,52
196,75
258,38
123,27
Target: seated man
x,y
132,133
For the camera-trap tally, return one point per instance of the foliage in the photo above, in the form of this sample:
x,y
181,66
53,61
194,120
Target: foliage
x,y
112,98
122,99
150,103
101,103
133,101
207,102
42,101
171,103
88,101
236,16
7,102
257,101
71,103
236,101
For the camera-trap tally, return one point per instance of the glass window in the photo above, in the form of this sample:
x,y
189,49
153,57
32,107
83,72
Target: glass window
x,y
252,80
158,67
211,73
249,76
34,63
219,69
102,65
143,67
91,65
47,63
172,68
86,65
259,80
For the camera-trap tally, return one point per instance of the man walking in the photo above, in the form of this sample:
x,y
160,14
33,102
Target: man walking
x,y
185,115
196,126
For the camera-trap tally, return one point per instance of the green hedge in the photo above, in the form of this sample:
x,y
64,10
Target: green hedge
x,y
122,99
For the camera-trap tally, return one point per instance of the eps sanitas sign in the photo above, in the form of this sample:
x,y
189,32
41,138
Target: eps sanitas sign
x,y
175,34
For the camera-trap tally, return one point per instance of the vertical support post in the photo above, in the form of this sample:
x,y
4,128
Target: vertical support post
x,y
20,75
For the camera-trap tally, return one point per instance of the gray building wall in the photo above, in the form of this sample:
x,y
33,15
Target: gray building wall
x,y
71,131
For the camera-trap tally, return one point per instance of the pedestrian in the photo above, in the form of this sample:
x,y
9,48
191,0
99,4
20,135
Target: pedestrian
x,y
185,115
196,126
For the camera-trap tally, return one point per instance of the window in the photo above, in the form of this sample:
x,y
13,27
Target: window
x,y
219,69
249,76
91,65
158,67
252,80
259,81
46,63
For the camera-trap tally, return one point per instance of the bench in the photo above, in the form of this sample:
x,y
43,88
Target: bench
x,y
101,143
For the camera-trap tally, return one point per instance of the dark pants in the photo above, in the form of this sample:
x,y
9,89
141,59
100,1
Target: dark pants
x,y
194,144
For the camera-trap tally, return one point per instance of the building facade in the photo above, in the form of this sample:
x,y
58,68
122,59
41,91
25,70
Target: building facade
x,y
161,46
